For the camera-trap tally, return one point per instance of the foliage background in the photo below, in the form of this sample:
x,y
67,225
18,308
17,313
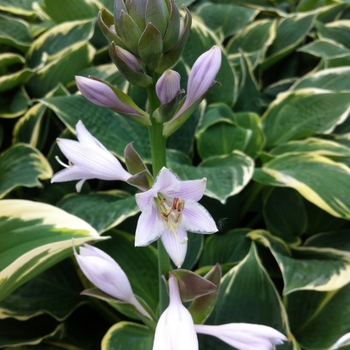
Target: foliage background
x,y
273,141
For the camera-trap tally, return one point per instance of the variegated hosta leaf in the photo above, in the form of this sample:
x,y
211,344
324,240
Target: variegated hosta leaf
x,y
338,31
15,334
319,179
226,18
101,210
57,39
10,81
303,113
322,319
230,247
22,165
15,33
15,104
41,296
66,10
111,129
331,79
18,7
227,175
33,237
253,40
247,294
62,69
311,145
307,268
291,30
128,335
325,48
222,132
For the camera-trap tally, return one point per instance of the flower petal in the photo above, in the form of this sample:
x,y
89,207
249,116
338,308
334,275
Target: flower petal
x,y
85,137
145,199
188,189
244,336
175,328
165,179
175,249
149,226
70,174
90,158
196,218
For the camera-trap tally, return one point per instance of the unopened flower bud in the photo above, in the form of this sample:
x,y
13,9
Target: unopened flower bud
x,y
105,95
200,80
104,272
168,86
149,29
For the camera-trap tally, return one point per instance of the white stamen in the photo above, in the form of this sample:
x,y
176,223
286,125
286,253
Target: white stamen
x,y
60,162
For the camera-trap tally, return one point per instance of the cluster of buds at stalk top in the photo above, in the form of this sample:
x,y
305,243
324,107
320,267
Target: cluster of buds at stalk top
x,y
151,31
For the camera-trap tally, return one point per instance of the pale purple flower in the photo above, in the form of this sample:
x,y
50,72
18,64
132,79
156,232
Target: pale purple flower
x,y
102,95
244,336
175,328
104,272
170,209
168,86
202,77
88,159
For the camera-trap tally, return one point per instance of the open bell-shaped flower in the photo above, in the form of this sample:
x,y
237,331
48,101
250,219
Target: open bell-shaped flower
x,y
244,336
168,210
105,273
201,79
175,328
88,159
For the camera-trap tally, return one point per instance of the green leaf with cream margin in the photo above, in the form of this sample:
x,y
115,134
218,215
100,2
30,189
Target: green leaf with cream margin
x,y
307,268
227,175
22,165
303,113
127,335
33,237
317,178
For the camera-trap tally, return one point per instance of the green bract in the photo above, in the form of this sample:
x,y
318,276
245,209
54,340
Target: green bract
x,y
149,29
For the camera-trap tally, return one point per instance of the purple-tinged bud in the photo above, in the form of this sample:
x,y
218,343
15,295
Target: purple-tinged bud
x,y
129,59
102,95
129,66
106,95
168,86
200,80
202,77
104,272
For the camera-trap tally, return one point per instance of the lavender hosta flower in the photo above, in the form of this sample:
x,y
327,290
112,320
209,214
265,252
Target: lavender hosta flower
x,y
175,328
201,79
168,86
244,336
88,159
104,272
170,209
101,94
